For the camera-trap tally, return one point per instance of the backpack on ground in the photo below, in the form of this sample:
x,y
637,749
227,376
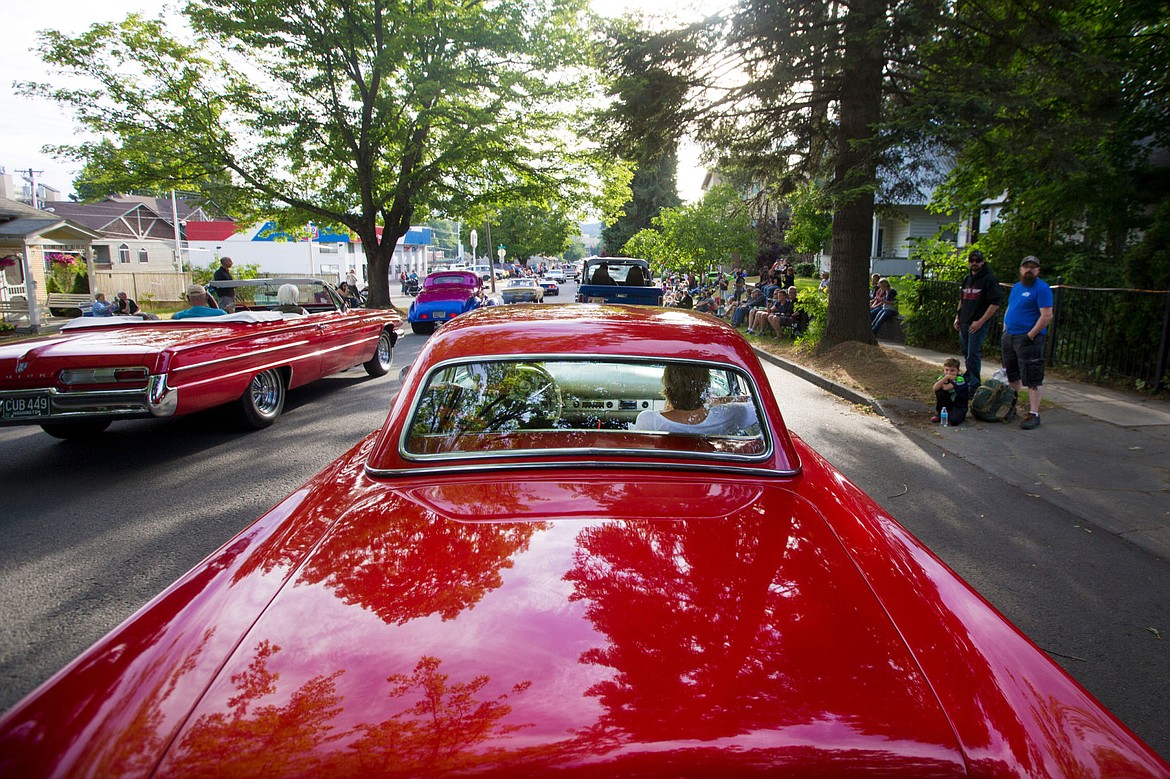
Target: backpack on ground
x,y
994,401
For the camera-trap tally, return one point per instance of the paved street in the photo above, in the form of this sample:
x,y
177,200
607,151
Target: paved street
x,y
88,535
1097,603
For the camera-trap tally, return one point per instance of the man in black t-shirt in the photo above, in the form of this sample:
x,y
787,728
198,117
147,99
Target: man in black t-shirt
x,y
979,297
226,297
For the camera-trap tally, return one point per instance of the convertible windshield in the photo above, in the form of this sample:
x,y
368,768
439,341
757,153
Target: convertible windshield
x,y
522,406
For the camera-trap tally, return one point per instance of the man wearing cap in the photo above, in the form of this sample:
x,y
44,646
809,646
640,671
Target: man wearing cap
x,y
978,301
197,302
1025,326
227,296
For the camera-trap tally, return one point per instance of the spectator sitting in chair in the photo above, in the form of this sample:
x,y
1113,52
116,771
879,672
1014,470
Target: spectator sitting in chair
x,y
757,316
708,303
755,299
125,306
101,307
348,295
197,305
784,316
885,305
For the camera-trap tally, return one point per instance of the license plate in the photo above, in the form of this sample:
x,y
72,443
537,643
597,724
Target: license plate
x,y
24,406
440,315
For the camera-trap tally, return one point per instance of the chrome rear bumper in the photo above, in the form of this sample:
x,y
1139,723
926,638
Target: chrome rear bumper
x,y
154,400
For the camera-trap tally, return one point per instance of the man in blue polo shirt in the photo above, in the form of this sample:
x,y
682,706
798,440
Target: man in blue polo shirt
x,y
197,305
1025,326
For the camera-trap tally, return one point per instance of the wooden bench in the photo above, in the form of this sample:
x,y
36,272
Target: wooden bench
x,y
14,313
65,301
14,308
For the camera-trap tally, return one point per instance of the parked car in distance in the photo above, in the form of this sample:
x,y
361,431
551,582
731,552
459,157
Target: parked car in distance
x,y
522,290
557,275
550,286
99,370
684,591
444,296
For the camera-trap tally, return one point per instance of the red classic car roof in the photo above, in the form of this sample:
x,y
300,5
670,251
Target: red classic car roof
x,y
576,622
586,330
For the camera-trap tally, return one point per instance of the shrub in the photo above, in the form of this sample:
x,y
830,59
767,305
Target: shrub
x,y
930,321
806,270
816,308
81,282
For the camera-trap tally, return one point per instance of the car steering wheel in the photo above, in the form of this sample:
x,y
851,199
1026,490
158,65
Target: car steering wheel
x,y
539,385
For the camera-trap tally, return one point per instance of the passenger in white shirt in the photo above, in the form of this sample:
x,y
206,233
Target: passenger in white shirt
x,y
685,387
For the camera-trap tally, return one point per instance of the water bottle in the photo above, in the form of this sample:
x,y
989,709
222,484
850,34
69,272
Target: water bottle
x,y
945,418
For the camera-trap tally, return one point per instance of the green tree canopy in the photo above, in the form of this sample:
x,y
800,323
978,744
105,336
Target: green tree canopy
x,y
812,220
793,92
527,230
358,114
1063,107
640,123
698,237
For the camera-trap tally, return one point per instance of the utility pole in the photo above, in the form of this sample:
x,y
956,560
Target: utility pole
x,y
30,176
178,235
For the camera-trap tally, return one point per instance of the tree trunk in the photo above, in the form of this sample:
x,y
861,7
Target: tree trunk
x,y
855,174
378,259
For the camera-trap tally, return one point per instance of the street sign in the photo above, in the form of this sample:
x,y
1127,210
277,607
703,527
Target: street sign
x,y
474,239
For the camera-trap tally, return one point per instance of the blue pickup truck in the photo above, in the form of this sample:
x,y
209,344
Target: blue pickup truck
x,y
618,280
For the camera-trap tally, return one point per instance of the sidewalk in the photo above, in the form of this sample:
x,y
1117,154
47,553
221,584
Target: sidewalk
x,y
1101,455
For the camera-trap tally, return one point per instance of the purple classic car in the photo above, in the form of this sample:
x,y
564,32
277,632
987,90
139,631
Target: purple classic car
x,y
445,295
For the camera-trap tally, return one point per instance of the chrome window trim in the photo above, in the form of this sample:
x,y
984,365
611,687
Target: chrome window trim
x,y
575,465
711,458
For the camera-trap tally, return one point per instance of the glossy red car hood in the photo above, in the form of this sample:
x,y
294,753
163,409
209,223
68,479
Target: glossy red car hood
x,y
554,631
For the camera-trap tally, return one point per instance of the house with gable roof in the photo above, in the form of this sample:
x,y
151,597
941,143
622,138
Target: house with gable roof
x,y
901,216
30,239
134,236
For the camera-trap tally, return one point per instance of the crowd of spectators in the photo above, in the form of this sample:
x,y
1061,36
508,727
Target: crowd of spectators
x,y
768,307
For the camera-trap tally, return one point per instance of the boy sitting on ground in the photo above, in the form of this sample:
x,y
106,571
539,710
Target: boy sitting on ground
x,y
950,393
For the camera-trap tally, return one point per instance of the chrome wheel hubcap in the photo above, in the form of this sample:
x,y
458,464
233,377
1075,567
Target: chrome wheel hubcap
x,y
266,393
